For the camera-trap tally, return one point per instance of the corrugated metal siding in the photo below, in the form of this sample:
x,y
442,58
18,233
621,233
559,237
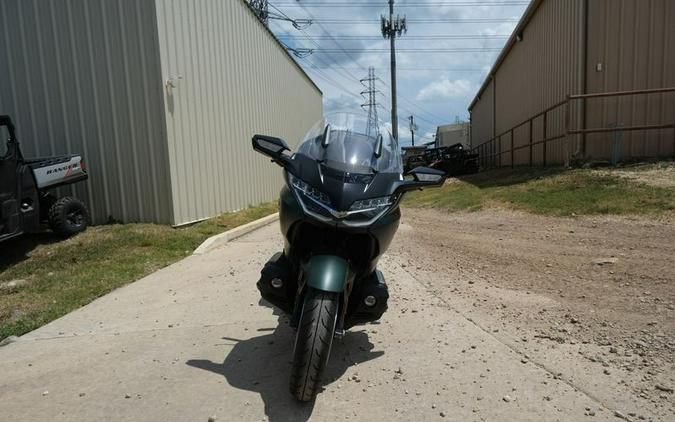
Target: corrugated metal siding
x,y
482,117
82,76
236,81
538,72
634,41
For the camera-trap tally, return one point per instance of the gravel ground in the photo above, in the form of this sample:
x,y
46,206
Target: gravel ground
x,y
660,175
590,298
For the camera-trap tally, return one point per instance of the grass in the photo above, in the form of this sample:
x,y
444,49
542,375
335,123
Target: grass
x,y
554,192
64,275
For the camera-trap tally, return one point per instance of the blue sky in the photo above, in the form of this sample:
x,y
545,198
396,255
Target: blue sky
x,y
436,87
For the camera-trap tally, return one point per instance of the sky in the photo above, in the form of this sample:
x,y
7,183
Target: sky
x,y
435,87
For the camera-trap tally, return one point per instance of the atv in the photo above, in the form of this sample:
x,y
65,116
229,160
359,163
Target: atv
x,y
25,184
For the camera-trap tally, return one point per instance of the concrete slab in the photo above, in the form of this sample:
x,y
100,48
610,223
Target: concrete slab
x,y
191,341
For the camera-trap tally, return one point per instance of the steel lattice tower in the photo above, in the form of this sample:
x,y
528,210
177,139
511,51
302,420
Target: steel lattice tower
x,y
372,128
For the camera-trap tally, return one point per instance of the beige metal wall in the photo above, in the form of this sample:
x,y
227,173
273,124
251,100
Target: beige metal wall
x,y
631,45
633,42
232,80
482,117
538,72
82,76
448,135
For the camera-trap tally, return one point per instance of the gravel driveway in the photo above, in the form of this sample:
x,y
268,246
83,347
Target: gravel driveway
x,y
191,342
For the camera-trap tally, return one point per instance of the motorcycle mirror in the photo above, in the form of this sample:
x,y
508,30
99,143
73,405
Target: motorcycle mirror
x,y
272,147
427,175
378,146
326,137
423,177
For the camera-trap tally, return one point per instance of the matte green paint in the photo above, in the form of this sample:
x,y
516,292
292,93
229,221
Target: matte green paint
x,y
327,273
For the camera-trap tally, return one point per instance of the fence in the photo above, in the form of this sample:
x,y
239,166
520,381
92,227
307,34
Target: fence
x,y
492,154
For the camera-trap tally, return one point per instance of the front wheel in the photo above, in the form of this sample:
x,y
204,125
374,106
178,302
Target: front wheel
x,y
313,342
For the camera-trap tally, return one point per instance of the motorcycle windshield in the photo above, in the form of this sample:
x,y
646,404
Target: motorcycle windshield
x,y
352,145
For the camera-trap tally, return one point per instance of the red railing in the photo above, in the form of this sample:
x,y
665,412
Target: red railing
x,y
490,153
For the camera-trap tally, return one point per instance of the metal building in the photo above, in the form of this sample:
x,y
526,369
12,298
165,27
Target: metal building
x,y
456,133
160,96
557,91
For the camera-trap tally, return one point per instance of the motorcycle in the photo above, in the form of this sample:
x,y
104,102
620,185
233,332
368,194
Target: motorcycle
x,y
338,211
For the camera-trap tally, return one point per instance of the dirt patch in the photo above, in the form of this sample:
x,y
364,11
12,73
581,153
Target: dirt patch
x,y
661,175
602,284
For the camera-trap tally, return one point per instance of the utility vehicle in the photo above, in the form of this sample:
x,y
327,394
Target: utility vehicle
x,y
26,198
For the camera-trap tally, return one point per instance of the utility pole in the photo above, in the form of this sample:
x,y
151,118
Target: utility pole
x,y
372,128
391,28
260,7
413,128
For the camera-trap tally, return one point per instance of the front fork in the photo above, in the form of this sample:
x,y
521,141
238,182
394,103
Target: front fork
x,y
329,273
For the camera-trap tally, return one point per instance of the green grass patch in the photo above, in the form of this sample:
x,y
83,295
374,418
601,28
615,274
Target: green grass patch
x,y
555,192
61,276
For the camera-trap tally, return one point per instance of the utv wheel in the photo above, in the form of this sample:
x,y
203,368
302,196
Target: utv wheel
x,y
68,217
313,342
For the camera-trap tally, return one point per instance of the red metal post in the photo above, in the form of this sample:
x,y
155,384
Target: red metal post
x,y
500,151
530,160
543,145
512,151
567,131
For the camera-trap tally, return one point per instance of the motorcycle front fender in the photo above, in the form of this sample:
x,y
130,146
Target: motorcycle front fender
x,y
328,273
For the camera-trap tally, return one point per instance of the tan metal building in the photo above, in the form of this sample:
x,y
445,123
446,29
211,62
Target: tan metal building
x,y
447,135
570,47
160,96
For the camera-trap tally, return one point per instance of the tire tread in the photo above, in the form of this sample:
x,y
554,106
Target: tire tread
x,y
313,343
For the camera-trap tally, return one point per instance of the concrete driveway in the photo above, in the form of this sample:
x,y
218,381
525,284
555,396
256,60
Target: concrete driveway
x,y
191,342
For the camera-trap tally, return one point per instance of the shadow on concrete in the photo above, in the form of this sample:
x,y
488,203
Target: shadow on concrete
x,y
262,364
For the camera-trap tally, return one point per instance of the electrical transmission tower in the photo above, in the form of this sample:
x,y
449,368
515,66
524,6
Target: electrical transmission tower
x,y
391,28
372,129
260,7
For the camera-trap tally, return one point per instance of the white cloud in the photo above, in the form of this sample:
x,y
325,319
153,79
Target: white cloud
x,y
445,89
431,86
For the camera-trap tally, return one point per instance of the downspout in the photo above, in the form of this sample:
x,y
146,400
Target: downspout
x,y
494,117
470,129
582,76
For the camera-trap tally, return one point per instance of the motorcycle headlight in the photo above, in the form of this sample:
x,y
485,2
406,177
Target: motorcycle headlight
x,y
366,211
318,204
371,204
309,191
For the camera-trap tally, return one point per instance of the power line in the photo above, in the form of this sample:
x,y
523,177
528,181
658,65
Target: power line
x,y
261,9
429,21
407,50
440,69
407,38
318,70
335,64
410,4
412,104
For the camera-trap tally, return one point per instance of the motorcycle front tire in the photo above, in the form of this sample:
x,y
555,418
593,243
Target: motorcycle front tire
x,y
313,342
